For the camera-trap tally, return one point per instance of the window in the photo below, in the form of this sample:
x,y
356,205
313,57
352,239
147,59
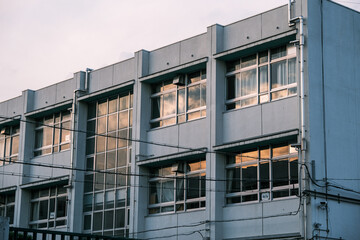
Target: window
x,y
52,133
176,188
108,148
9,144
7,206
48,207
261,77
262,174
173,104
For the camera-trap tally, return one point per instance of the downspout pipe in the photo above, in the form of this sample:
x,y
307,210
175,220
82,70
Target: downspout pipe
x,y
292,22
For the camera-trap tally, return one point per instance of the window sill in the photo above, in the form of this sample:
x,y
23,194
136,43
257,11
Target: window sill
x,y
172,125
260,202
259,104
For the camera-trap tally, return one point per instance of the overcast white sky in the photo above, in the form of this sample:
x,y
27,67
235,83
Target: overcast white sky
x,y
43,42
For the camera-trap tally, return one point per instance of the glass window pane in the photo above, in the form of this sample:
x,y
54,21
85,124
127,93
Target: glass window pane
x,y
278,52
194,77
102,108
168,85
193,97
122,157
122,138
193,187
156,107
121,177
88,185
232,66
120,197
124,102
34,211
65,134
292,70
112,122
91,110
123,119
111,141
167,191
233,180
294,171
90,129
249,177
99,181
230,87
180,189
250,155
87,222
100,143
15,145
263,78
110,179
280,150
109,199
280,173
248,61
61,207
97,221
113,105
47,137
90,146
279,94
101,125
181,100
203,95
278,74
2,146
39,138
120,218
263,57
108,219
264,175
43,210
56,134
110,159
169,103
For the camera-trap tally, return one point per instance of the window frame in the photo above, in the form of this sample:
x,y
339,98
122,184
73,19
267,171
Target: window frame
x,y
5,139
176,88
175,177
39,223
7,204
56,128
290,187
113,199
266,96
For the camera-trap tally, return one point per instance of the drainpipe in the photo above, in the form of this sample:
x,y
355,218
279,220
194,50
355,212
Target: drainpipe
x,y
302,151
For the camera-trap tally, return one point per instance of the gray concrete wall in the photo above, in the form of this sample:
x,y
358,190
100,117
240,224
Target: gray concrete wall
x,y
334,115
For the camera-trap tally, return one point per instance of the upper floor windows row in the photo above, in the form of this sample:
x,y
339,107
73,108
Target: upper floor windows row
x,y
261,77
9,144
179,100
52,133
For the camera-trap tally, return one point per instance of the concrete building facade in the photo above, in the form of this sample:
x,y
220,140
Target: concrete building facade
x,y
247,131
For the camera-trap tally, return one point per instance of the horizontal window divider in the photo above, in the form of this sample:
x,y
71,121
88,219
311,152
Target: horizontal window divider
x,y
195,110
241,98
162,118
284,87
196,83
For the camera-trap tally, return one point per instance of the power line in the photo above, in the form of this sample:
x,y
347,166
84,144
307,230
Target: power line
x,y
144,175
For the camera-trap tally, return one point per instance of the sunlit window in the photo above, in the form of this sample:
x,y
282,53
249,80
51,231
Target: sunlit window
x,y
52,133
177,187
262,174
176,103
106,202
261,77
9,144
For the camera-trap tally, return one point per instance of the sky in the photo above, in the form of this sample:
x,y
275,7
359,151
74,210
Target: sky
x,y
43,42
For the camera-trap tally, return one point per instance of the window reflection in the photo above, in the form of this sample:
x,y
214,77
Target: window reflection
x,y
171,104
267,169
254,79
